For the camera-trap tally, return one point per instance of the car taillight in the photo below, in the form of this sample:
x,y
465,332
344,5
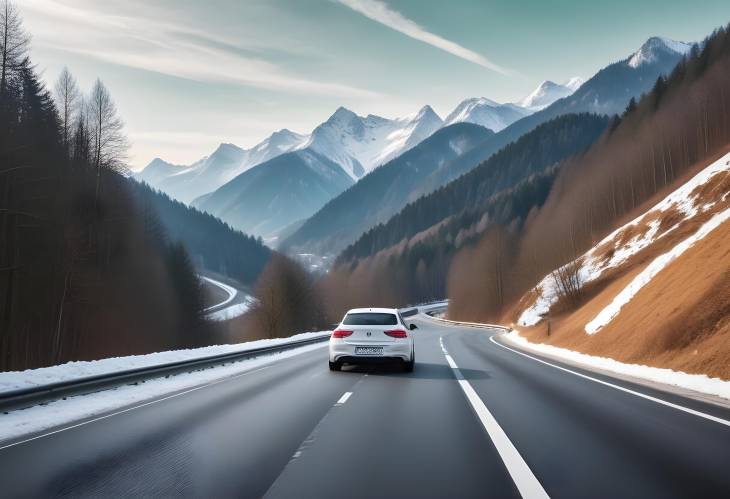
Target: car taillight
x,y
396,333
341,333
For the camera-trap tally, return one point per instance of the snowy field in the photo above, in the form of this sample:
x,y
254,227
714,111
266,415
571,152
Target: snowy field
x,y
35,419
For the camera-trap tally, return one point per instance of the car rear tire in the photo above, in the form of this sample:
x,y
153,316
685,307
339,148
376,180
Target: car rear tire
x,y
408,366
335,366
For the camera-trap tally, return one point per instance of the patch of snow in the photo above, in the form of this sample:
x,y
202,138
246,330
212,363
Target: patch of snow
x,y
696,382
657,265
16,424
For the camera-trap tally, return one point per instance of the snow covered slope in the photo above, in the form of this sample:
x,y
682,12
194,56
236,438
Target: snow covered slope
x,y
703,201
360,144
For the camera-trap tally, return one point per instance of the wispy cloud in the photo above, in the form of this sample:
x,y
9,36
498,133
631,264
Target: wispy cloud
x,y
379,12
167,48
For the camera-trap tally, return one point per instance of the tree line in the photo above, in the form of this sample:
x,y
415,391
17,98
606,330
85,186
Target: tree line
x,y
83,272
212,244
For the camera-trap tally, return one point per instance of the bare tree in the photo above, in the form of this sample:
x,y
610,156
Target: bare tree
x,y
109,143
568,281
67,99
14,42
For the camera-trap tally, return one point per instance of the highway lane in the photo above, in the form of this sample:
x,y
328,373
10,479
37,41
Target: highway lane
x,y
280,432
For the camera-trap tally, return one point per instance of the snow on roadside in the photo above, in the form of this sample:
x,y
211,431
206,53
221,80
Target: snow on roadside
x,y
16,424
14,380
657,265
696,382
593,265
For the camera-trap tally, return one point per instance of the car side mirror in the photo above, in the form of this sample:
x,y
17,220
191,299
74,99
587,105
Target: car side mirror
x,y
412,327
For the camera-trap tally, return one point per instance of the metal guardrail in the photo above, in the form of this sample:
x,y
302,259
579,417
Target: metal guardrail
x,y
472,324
25,397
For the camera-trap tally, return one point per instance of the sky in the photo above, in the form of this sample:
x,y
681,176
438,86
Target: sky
x,y
187,75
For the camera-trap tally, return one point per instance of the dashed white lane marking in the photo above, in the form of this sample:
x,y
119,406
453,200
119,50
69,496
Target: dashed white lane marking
x,y
344,398
526,482
621,388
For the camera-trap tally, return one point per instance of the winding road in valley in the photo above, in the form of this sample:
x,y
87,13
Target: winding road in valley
x,y
475,419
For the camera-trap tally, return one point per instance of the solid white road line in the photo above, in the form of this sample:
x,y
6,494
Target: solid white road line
x,y
526,482
344,398
621,388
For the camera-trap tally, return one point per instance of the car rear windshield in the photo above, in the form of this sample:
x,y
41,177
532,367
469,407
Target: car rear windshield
x,y
370,319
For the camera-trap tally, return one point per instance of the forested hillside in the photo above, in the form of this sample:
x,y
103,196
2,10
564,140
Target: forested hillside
x,y
407,260
472,192
682,123
212,244
83,274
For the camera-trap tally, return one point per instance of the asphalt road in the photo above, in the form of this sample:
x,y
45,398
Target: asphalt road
x,y
500,425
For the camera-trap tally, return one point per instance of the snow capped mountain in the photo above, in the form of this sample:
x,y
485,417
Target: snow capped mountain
x,y
574,83
496,116
486,112
654,47
548,92
186,183
361,144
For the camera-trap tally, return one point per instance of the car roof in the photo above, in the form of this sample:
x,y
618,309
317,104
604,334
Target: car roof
x,y
375,309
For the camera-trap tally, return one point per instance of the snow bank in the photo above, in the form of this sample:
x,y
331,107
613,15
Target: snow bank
x,y
593,264
14,380
16,424
696,382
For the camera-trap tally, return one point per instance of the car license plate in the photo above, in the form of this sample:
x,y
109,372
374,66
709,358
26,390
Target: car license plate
x,y
368,350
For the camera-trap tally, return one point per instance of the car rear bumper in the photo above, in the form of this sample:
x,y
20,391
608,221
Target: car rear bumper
x,y
341,351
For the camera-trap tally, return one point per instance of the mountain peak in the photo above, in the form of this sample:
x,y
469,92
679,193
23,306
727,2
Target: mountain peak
x,y
654,46
342,114
426,113
574,83
545,94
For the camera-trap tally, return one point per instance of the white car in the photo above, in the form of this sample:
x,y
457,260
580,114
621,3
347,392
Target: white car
x,y
368,335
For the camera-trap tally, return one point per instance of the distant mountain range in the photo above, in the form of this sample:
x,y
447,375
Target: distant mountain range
x,y
267,198
607,92
358,145
186,183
